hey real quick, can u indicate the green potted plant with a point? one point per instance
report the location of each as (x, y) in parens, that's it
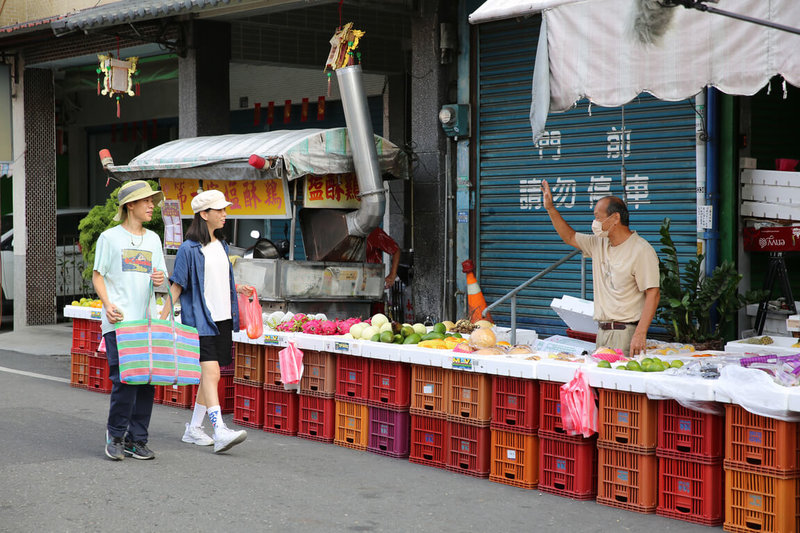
(688, 297)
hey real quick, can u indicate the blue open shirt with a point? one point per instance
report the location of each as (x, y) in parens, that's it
(189, 273)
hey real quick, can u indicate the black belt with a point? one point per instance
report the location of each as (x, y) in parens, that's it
(616, 325)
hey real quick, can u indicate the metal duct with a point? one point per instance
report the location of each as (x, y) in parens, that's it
(330, 235)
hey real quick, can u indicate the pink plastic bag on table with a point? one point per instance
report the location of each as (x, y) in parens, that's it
(290, 360)
(244, 302)
(578, 407)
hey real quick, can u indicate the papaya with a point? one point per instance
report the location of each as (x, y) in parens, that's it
(414, 338)
(433, 335)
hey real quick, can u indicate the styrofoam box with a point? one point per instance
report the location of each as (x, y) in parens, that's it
(793, 323)
(560, 343)
(576, 313)
(780, 346)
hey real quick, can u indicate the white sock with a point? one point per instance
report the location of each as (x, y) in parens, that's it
(215, 415)
(198, 415)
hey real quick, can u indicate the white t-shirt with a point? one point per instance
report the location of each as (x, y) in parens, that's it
(620, 275)
(217, 281)
(126, 261)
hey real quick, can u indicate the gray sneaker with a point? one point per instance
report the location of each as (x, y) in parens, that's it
(138, 450)
(114, 447)
(196, 435)
(225, 439)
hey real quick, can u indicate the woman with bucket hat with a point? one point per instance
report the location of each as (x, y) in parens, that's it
(128, 262)
(203, 280)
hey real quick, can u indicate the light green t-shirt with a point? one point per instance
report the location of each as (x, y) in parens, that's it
(126, 261)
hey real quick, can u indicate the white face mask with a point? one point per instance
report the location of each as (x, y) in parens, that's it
(597, 227)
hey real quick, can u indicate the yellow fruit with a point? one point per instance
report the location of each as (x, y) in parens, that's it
(449, 325)
(75, 302)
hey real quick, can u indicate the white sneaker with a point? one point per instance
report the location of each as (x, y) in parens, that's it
(225, 439)
(196, 435)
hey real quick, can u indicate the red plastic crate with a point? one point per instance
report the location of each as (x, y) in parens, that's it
(352, 425)
(231, 368)
(281, 412)
(759, 502)
(79, 370)
(352, 379)
(430, 387)
(582, 335)
(248, 406)
(627, 479)
(389, 432)
(515, 404)
(760, 444)
(514, 459)
(689, 435)
(272, 368)
(176, 396)
(158, 397)
(567, 468)
(550, 411)
(428, 441)
(225, 392)
(468, 449)
(690, 491)
(317, 418)
(249, 362)
(628, 421)
(470, 398)
(98, 374)
(319, 374)
(86, 335)
(390, 385)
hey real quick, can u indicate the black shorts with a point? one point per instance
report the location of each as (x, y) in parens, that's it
(218, 347)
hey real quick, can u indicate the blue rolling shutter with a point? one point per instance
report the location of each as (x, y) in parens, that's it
(580, 156)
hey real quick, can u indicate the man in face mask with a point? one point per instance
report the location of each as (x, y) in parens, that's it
(624, 270)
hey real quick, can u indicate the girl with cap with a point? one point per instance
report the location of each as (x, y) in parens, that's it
(203, 280)
(128, 263)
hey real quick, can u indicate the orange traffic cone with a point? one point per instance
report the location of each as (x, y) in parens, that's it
(476, 303)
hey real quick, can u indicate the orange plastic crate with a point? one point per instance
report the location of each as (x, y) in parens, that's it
(430, 387)
(514, 459)
(468, 448)
(470, 398)
(760, 444)
(319, 374)
(628, 421)
(689, 435)
(79, 370)
(272, 368)
(759, 502)
(249, 362)
(515, 404)
(690, 491)
(428, 441)
(627, 479)
(352, 425)
(176, 396)
(98, 373)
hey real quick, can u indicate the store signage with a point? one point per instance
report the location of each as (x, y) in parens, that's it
(181, 190)
(271, 340)
(462, 363)
(772, 239)
(338, 191)
(341, 346)
(267, 198)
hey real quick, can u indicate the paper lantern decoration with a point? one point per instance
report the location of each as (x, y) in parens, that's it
(118, 77)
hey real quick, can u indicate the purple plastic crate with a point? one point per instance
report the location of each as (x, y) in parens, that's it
(388, 432)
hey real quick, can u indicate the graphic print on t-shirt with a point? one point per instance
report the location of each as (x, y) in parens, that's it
(134, 260)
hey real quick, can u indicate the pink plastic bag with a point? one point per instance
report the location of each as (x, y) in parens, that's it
(290, 360)
(255, 326)
(578, 407)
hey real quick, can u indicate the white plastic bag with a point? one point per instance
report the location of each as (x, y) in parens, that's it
(756, 391)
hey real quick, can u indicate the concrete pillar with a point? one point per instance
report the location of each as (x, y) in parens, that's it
(204, 80)
(428, 90)
(35, 228)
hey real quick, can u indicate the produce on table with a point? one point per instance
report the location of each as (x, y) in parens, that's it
(484, 324)
(520, 349)
(463, 326)
(483, 338)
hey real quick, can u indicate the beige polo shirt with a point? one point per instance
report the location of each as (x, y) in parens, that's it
(620, 274)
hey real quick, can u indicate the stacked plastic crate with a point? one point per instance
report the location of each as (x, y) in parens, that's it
(627, 475)
(567, 463)
(469, 415)
(690, 448)
(317, 391)
(352, 397)
(430, 388)
(248, 385)
(281, 407)
(389, 399)
(88, 368)
(762, 472)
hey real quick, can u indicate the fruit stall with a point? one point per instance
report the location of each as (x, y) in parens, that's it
(672, 434)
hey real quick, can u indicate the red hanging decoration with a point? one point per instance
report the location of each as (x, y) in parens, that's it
(270, 113)
(304, 110)
(117, 106)
(154, 130)
(257, 114)
(138, 90)
(287, 111)
(321, 108)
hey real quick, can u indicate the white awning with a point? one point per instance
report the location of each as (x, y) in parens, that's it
(589, 49)
(506, 9)
(291, 154)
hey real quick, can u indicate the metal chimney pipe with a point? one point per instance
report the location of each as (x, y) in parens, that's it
(365, 158)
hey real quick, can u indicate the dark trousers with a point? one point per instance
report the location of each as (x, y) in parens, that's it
(131, 405)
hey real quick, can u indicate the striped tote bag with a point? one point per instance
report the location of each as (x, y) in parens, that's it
(158, 352)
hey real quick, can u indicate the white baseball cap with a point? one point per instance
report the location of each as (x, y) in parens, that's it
(213, 199)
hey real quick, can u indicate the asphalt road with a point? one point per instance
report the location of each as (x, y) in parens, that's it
(54, 477)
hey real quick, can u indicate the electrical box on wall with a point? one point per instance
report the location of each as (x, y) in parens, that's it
(455, 120)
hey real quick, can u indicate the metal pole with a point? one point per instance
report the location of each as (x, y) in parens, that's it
(514, 320)
(293, 224)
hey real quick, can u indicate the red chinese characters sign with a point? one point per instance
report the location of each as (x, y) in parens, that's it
(331, 191)
(248, 198)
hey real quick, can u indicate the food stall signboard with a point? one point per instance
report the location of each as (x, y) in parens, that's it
(173, 229)
(339, 191)
(267, 198)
